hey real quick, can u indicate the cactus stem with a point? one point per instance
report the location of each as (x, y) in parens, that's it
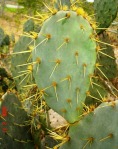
(109, 136)
(84, 65)
(88, 94)
(89, 141)
(76, 56)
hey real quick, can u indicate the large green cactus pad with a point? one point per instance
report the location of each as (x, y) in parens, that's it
(105, 12)
(67, 57)
(97, 130)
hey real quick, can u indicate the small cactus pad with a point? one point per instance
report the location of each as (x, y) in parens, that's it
(97, 130)
(14, 125)
(106, 58)
(66, 57)
(28, 26)
(106, 11)
(21, 59)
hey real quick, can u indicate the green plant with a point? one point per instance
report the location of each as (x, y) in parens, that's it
(96, 130)
(54, 74)
(106, 12)
(69, 68)
(14, 124)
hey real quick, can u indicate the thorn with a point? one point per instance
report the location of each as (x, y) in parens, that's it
(54, 84)
(23, 79)
(89, 141)
(89, 95)
(82, 27)
(22, 52)
(20, 75)
(48, 7)
(11, 114)
(66, 40)
(76, 56)
(48, 36)
(108, 137)
(84, 65)
(97, 66)
(91, 80)
(78, 91)
(66, 17)
(68, 78)
(69, 101)
(100, 51)
(57, 64)
(103, 42)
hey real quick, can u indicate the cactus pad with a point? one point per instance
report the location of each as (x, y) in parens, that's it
(66, 55)
(14, 126)
(97, 130)
(106, 11)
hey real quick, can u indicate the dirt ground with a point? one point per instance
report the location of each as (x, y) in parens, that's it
(12, 24)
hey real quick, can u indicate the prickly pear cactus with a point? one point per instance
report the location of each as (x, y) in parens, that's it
(14, 125)
(97, 130)
(105, 12)
(66, 56)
